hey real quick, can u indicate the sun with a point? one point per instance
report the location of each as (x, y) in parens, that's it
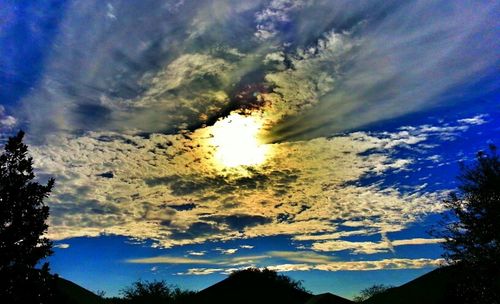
(236, 140)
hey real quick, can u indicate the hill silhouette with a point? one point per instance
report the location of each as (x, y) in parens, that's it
(68, 292)
(436, 287)
(254, 286)
(328, 298)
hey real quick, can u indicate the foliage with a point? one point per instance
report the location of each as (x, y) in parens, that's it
(22, 225)
(369, 292)
(267, 275)
(472, 231)
(151, 292)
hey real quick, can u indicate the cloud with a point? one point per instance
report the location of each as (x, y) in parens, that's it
(476, 120)
(124, 121)
(385, 264)
(296, 261)
(168, 260)
(231, 260)
(305, 189)
(196, 253)
(6, 121)
(390, 64)
(201, 271)
(275, 16)
(301, 256)
(62, 246)
(227, 251)
(370, 247)
(337, 65)
(247, 246)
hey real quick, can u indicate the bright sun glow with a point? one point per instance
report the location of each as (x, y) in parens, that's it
(236, 140)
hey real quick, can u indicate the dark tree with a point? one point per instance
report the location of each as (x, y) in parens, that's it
(369, 292)
(23, 216)
(472, 231)
(151, 292)
(279, 281)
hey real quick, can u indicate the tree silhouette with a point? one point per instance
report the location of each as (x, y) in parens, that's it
(371, 291)
(151, 292)
(472, 231)
(22, 225)
(279, 281)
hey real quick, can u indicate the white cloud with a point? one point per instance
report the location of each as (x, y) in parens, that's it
(385, 264)
(62, 246)
(6, 121)
(227, 251)
(197, 253)
(384, 245)
(201, 271)
(168, 260)
(275, 14)
(476, 120)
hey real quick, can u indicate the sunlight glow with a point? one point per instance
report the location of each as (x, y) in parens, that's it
(236, 140)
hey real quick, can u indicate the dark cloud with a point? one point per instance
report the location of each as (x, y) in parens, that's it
(239, 222)
(198, 229)
(183, 207)
(281, 181)
(72, 204)
(108, 174)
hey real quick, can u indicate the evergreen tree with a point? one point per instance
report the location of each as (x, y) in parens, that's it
(23, 216)
(473, 233)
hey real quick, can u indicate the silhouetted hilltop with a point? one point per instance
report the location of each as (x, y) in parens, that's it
(435, 287)
(328, 298)
(253, 286)
(68, 292)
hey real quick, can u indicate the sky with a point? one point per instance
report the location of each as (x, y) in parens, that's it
(189, 139)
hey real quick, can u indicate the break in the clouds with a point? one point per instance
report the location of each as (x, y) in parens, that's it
(134, 102)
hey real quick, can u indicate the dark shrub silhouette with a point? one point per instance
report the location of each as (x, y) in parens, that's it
(152, 292)
(370, 292)
(279, 280)
(22, 225)
(472, 231)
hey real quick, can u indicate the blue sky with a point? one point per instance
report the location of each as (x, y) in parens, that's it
(192, 138)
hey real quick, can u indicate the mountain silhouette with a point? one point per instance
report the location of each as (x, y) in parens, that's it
(253, 286)
(68, 292)
(436, 287)
(328, 298)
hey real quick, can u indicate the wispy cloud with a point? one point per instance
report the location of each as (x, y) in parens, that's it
(196, 253)
(169, 260)
(370, 247)
(6, 121)
(476, 120)
(385, 264)
(228, 251)
(62, 246)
